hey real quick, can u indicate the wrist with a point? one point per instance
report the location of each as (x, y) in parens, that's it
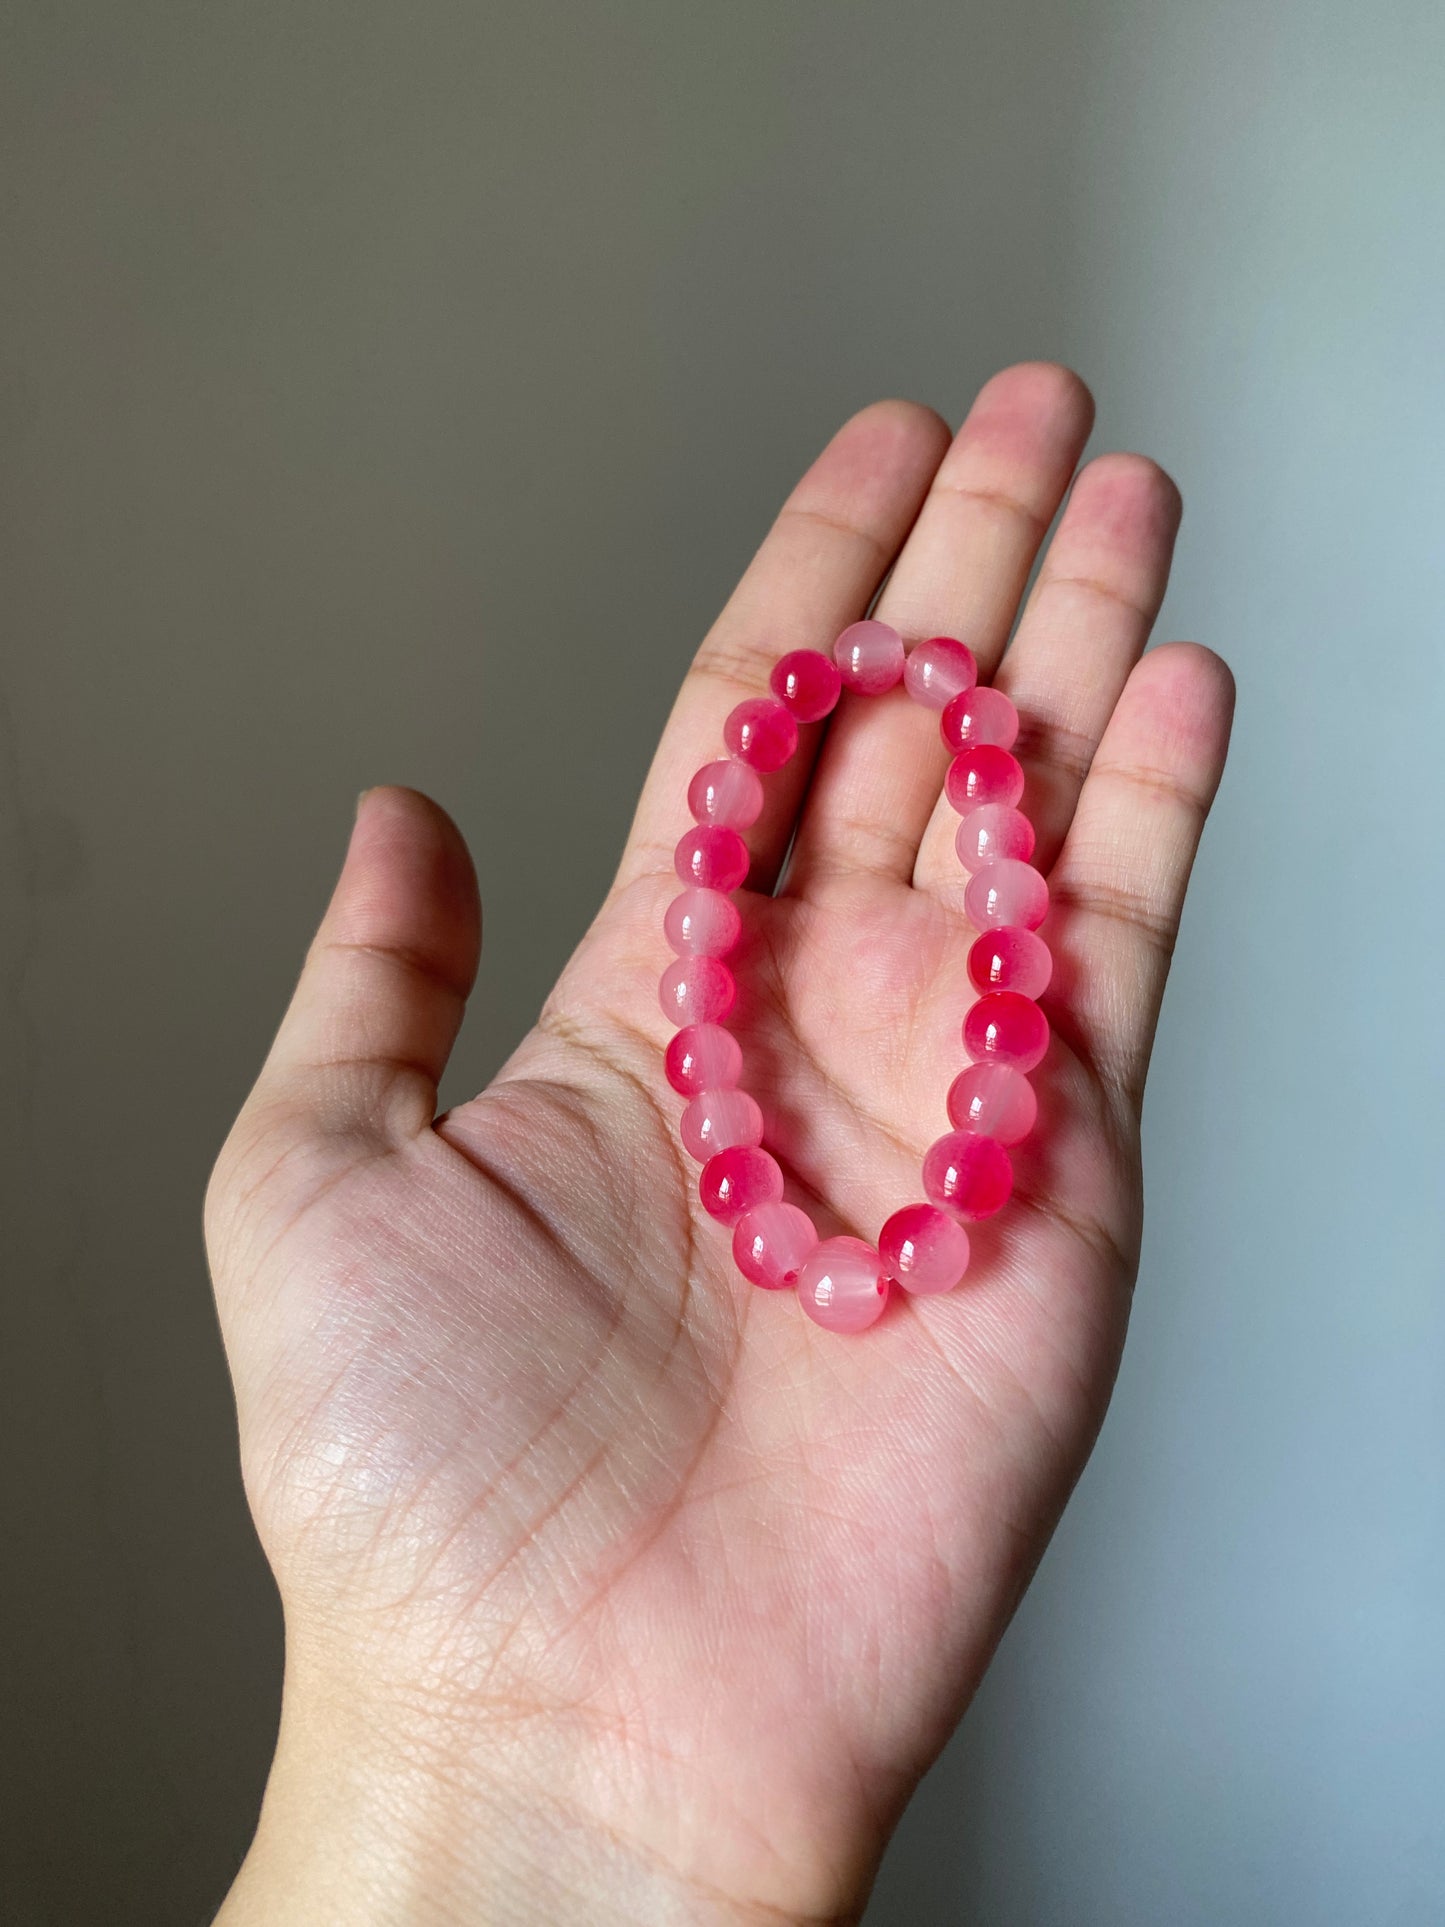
(369, 1818)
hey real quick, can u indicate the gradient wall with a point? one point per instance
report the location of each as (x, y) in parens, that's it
(391, 393)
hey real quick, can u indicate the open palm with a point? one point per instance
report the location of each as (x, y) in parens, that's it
(622, 1579)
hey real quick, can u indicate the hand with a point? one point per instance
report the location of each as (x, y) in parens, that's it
(614, 1587)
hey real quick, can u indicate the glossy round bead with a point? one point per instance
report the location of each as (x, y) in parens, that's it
(970, 1174)
(995, 829)
(771, 1242)
(1004, 1028)
(738, 1181)
(727, 794)
(841, 1285)
(807, 683)
(924, 1248)
(761, 733)
(711, 857)
(717, 1120)
(869, 656)
(697, 990)
(1010, 958)
(938, 671)
(1006, 891)
(703, 1057)
(702, 923)
(983, 774)
(982, 715)
(993, 1100)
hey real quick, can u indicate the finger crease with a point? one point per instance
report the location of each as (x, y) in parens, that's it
(1160, 783)
(839, 526)
(998, 499)
(1104, 591)
(881, 838)
(1106, 900)
(390, 1067)
(734, 668)
(412, 961)
(1067, 749)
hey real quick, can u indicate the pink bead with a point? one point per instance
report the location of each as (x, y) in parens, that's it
(771, 1242)
(702, 923)
(807, 682)
(703, 1057)
(983, 715)
(711, 857)
(924, 1248)
(1010, 959)
(761, 733)
(869, 656)
(717, 1120)
(994, 829)
(1004, 1028)
(696, 990)
(984, 774)
(841, 1285)
(728, 794)
(994, 1101)
(939, 670)
(971, 1175)
(738, 1181)
(1006, 891)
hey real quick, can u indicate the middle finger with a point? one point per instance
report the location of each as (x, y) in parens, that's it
(962, 572)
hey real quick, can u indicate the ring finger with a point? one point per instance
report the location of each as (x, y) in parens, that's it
(1084, 628)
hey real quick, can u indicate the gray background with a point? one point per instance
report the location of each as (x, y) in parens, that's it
(392, 393)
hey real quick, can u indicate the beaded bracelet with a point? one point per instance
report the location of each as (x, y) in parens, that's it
(843, 1282)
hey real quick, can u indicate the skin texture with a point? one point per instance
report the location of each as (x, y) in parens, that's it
(614, 1588)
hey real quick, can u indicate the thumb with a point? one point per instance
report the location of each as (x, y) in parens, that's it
(385, 983)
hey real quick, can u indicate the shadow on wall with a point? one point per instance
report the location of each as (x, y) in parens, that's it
(395, 399)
